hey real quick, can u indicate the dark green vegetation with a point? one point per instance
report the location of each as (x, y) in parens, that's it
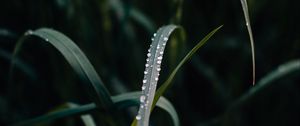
(213, 88)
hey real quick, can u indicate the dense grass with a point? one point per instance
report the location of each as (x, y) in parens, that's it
(51, 76)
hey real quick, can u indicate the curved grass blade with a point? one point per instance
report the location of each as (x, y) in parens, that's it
(153, 67)
(248, 24)
(59, 114)
(162, 103)
(87, 118)
(121, 101)
(167, 83)
(77, 60)
(27, 69)
(266, 81)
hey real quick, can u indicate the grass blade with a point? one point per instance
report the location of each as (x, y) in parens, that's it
(167, 83)
(77, 60)
(266, 81)
(162, 103)
(121, 101)
(248, 24)
(59, 114)
(153, 67)
(87, 118)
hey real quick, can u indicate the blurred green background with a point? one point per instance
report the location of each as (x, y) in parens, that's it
(115, 36)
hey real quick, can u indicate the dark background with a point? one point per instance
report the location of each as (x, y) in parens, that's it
(116, 42)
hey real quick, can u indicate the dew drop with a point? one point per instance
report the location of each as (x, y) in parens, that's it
(138, 117)
(147, 65)
(145, 72)
(158, 62)
(161, 52)
(144, 81)
(160, 57)
(158, 69)
(247, 24)
(46, 39)
(156, 78)
(149, 54)
(142, 98)
(165, 39)
(147, 59)
(154, 34)
(164, 44)
(143, 87)
(152, 39)
(29, 32)
(149, 50)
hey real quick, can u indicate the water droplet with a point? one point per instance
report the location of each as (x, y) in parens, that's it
(29, 32)
(46, 39)
(152, 39)
(142, 98)
(143, 87)
(160, 57)
(149, 54)
(165, 39)
(145, 72)
(157, 47)
(147, 59)
(161, 52)
(158, 69)
(142, 106)
(247, 23)
(144, 81)
(164, 44)
(154, 34)
(147, 65)
(156, 78)
(149, 50)
(138, 117)
(158, 62)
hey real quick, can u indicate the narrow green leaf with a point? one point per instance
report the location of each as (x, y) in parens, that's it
(153, 67)
(266, 81)
(59, 114)
(248, 24)
(77, 60)
(135, 96)
(121, 101)
(167, 83)
(87, 118)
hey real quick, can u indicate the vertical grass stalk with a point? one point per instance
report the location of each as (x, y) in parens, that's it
(248, 24)
(153, 67)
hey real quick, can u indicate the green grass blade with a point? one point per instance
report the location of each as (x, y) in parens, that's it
(163, 103)
(87, 118)
(121, 101)
(59, 114)
(266, 81)
(27, 69)
(77, 60)
(153, 67)
(168, 83)
(248, 24)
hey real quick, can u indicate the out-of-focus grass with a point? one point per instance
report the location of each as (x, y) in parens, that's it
(107, 40)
